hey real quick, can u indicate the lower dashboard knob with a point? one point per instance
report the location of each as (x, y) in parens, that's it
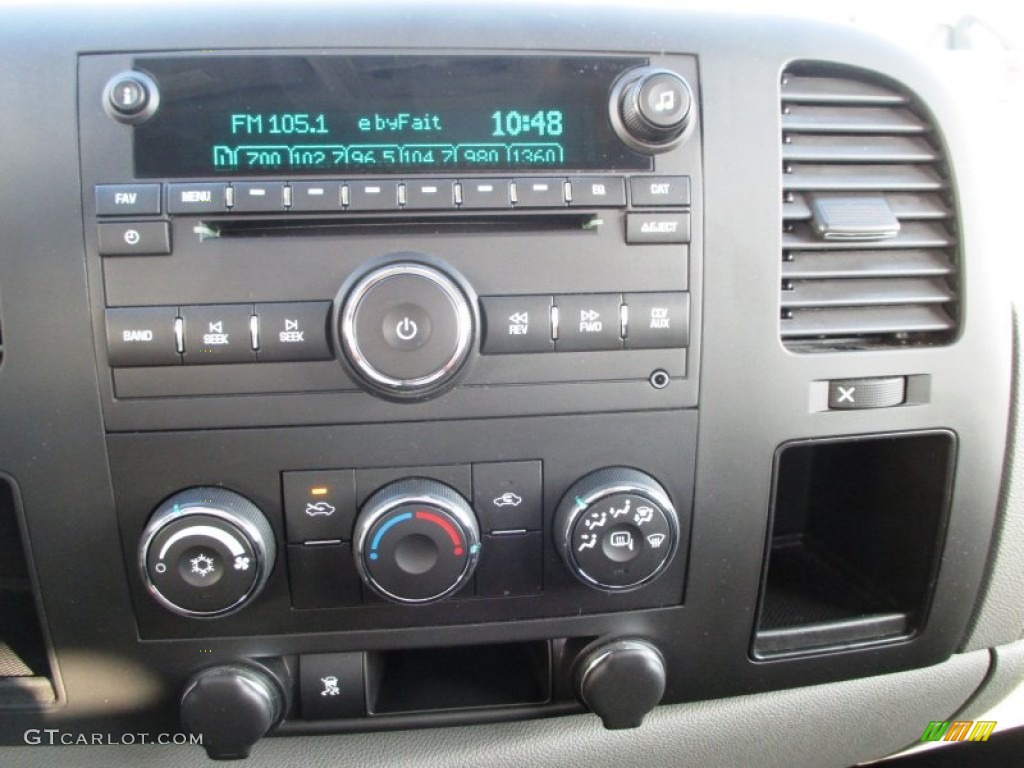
(206, 552)
(231, 707)
(616, 529)
(416, 541)
(620, 681)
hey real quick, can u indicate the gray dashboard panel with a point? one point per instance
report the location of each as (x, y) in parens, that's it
(820, 727)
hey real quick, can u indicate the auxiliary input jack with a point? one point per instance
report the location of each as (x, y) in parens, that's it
(660, 379)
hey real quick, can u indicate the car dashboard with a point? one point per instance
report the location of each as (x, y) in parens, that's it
(432, 384)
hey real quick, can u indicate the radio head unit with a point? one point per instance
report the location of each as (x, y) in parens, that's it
(280, 115)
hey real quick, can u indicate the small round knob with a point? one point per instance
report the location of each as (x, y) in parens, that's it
(620, 681)
(206, 552)
(616, 529)
(406, 329)
(131, 97)
(651, 109)
(231, 707)
(416, 541)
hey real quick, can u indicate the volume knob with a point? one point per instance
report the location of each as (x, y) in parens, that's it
(652, 109)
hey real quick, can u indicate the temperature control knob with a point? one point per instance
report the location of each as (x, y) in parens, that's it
(206, 552)
(616, 529)
(416, 541)
(652, 109)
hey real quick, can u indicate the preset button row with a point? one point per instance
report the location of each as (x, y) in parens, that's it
(585, 322)
(221, 333)
(329, 195)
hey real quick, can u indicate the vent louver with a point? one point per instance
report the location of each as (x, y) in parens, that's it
(869, 251)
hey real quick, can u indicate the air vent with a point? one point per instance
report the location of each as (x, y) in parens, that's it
(869, 250)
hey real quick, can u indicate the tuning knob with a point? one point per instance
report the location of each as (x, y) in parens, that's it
(416, 541)
(231, 707)
(620, 681)
(616, 529)
(652, 109)
(206, 552)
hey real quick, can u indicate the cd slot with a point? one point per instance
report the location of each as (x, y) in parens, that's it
(403, 224)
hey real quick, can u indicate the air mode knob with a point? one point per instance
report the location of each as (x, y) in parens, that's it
(616, 529)
(652, 109)
(416, 541)
(206, 552)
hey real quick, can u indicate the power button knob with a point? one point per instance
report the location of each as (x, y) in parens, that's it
(406, 329)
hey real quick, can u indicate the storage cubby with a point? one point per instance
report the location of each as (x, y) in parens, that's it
(24, 662)
(467, 677)
(856, 532)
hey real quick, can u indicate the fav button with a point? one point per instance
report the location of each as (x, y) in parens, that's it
(127, 199)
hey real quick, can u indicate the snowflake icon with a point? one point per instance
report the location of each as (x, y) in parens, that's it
(202, 565)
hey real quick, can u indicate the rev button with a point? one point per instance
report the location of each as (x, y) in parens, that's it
(514, 324)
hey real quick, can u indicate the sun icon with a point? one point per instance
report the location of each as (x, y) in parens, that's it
(202, 565)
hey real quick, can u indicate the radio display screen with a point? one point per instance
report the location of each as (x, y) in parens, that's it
(329, 114)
